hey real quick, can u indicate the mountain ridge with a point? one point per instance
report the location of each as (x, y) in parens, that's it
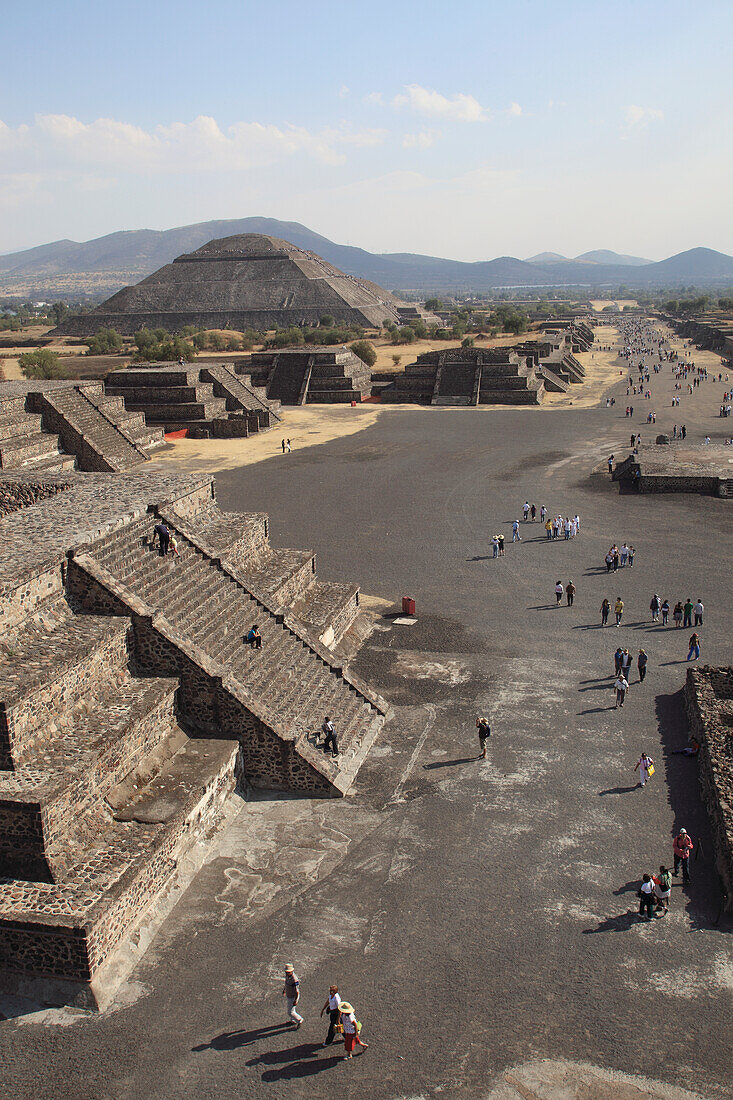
(126, 256)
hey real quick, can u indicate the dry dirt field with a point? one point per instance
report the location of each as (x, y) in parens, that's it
(599, 303)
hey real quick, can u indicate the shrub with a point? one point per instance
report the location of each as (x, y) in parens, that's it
(365, 350)
(41, 364)
(396, 360)
(105, 342)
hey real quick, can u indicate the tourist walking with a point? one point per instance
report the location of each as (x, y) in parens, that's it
(677, 614)
(289, 445)
(631, 557)
(533, 512)
(332, 1006)
(605, 612)
(330, 741)
(641, 663)
(501, 545)
(621, 686)
(570, 593)
(617, 660)
(699, 610)
(665, 612)
(558, 593)
(681, 848)
(655, 607)
(525, 509)
(484, 733)
(626, 664)
(495, 546)
(548, 528)
(688, 609)
(291, 993)
(282, 444)
(516, 537)
(645, 766)
(618, 610)
(694, 647)
(351, 1030)
(646, 898)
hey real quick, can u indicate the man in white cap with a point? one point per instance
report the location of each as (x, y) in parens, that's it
(681, 848)
(291, 993)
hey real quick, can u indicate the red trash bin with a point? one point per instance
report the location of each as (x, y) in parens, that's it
(408, 605)
(353, 404)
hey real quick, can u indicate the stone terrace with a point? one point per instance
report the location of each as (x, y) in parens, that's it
(129, 707)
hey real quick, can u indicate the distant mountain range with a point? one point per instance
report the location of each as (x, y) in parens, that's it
(99, 267)
(599, 256)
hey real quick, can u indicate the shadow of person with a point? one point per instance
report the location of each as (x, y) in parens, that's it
(232, 1040)
(450, 763)
(619, 790)
(628, 888)
(301, 1062)
(622, 923)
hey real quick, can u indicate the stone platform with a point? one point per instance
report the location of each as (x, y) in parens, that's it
(130, 706)
(678, 467)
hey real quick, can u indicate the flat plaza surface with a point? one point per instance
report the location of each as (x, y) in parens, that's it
(480, 915)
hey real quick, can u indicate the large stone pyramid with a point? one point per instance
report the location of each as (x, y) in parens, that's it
(247, 281)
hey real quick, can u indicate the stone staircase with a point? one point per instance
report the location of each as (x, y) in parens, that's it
(455, 383)
(23, 443)
(101, 792)
(241, 395)
(289, 378)
(291, 683)
(87, 430)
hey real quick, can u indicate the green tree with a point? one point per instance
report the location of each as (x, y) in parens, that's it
(365, 350)
(433, 304)
(467, 342)
(396, 360)
(327, 321)
(58, 311)
(105, 342)
(41, 364)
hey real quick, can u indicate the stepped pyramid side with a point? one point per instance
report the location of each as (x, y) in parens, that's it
(246, 281)
(131, 707)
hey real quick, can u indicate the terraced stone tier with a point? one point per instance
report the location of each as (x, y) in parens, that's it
(68, 930)
(291, 679)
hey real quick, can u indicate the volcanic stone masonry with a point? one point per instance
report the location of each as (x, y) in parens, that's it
(709, 704)
(49, 427)
(131, 705)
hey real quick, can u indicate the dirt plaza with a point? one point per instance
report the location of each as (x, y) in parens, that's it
(480, 915)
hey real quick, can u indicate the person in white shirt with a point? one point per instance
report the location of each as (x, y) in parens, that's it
(351, 1031)
(332, 1006)
(699, 608)
(646, 898)
(558, 592)
(621, 684)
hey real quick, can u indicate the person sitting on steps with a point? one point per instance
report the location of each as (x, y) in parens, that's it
(254, 638)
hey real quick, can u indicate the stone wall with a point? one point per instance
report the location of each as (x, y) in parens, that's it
(709, 705)
(15, 494)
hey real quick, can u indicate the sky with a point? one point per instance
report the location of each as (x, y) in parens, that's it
(467, 131)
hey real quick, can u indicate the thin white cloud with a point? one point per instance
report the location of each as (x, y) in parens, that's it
(514, 109)
(423, 140)
(62, 143)
(374, 99)
(459, 107)
(635, 116)
(344, 91)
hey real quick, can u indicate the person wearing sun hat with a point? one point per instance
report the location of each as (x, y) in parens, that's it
(351, 1030)
(291, 993)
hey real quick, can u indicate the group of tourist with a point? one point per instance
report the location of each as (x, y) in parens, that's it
(341, 1015)
(617, 558)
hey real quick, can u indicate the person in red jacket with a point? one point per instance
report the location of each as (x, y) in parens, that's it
(681, 847)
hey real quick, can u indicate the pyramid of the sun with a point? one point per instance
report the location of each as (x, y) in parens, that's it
(246, 281)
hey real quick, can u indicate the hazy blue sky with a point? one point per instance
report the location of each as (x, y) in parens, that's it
(469, 130)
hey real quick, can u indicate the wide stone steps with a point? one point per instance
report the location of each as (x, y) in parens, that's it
(104, 438)
(204, 603)
(244, 396)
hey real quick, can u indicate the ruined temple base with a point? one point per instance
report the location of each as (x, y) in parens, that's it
(678, 467)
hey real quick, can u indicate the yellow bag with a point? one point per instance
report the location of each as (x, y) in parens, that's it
(650, 771)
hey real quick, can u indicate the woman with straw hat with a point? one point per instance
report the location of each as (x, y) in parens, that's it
(351, 1029)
